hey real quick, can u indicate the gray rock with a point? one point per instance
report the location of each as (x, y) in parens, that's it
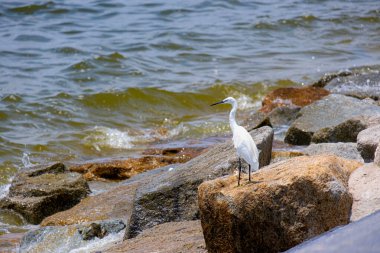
(100, 229)
(357, 85)
(346, 150)
(49, 239)
(335, 118)
(368, 140)
(361, 236)
(283, 115)
(172, 196)
(44, 190)
(365, 190)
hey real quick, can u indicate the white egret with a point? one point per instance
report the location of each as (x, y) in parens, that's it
(243, 142)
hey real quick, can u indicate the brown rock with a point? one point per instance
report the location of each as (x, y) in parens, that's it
(114, 204)
(365, 189)
(172, 237)
(287, 203)
(124, 169)
(280, 155)
(292, 97)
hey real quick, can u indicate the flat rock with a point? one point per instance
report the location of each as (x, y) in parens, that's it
(361, 236)
(41, 191)
(335, 118)
(116, 203)
(172, 237)
(124, 169)
(292, 97)
(172, 196)
(66, 238)
(346, 150)
(368, 141)
(365, 189)
(287, 203)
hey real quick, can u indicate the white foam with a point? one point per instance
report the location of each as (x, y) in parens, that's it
(246, 102)
(25, 160)
(97, 244)
(4, 190)
(104, 137)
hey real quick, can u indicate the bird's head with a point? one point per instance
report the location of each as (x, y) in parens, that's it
(229, 100)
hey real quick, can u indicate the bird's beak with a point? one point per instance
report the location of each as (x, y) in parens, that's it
(221, 102)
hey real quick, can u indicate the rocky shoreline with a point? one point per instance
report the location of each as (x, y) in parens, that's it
(325, 174)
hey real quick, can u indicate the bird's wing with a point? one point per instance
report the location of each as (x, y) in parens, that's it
(245, 146)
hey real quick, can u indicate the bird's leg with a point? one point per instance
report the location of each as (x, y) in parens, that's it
(239, 171)
(249, 173)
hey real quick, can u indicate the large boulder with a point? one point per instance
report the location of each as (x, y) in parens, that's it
(368, 140)
(66, 238)
(365, 189)
(44, 190)
(172, 196)
(335, 118)
(361, 236)
(287, 203)
(172, 237)
(346, 150)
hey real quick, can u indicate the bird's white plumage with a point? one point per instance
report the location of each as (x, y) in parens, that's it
(245, 146)
(243, 142)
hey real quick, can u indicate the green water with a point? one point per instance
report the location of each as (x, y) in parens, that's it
(91, 79)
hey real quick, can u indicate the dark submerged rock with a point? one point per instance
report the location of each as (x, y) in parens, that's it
(44, 190)
(172, 196)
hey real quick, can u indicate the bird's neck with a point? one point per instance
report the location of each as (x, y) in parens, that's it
(233, 123)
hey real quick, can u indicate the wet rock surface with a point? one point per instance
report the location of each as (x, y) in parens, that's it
(346, 150)
(292, 97)
(44, 190)
(172, 196)
(287, 203)
(116, 203)
(10, 242)
(360, 236)
(124, 169)
(172, 237)
(368, 141)
(364, 186)
(335, 118)
(360, 86)
(49, 239)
